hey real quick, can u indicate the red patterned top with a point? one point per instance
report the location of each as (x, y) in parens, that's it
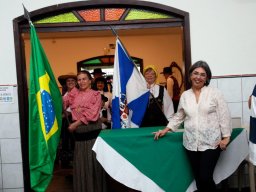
(85, 105)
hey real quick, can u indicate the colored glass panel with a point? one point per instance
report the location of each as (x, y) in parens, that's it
(136, 14)
(113, 14)
(90, 15)
(93, 61)
(62, 18)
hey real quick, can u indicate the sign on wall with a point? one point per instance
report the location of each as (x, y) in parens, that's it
(6, 94)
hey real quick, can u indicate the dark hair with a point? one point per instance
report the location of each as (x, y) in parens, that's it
(100, 79)
(86, 73)
(205, 66)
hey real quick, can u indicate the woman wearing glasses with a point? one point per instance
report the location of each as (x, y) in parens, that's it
(207, 125)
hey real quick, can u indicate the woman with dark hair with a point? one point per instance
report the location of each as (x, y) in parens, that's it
(85, 105)
(100, 84)
(68, 82)
(207, 125)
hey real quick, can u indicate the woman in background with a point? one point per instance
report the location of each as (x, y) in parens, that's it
(68, 82)
(160, 106)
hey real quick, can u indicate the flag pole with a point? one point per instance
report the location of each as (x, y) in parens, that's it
(115, 33)
(27, 15)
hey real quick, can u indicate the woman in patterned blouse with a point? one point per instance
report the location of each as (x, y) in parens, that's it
(85, 105)
(207, 125)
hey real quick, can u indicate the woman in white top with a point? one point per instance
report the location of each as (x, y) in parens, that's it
(207, 125)
(160, 106)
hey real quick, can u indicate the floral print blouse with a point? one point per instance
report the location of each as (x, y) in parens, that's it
(206, 122)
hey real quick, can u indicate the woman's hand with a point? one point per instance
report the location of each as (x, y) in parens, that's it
(161, 133)
(224, 142)
(73, 126)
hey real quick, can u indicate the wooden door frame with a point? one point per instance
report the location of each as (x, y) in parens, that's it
(20, 25)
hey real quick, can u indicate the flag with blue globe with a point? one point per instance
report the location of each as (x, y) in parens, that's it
(45, 116)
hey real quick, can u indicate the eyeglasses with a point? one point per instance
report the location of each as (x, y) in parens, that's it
(201, 75)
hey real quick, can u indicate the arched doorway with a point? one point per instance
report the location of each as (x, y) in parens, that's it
(87, 18)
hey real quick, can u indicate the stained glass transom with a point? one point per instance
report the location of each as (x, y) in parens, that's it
(90, 15)
(62, 18)
(135, 14)
(109, 14)
(93, 61)
(113, 14)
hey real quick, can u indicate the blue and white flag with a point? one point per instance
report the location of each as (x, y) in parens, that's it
(252, 138)
(130, 93)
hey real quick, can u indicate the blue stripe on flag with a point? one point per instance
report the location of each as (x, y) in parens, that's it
(138, 112)
(253, 130)
(254, 91)
(129, 88)
(126, 67)
(253, 117)
(115, 113)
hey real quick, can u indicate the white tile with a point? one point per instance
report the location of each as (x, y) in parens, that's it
(248, 84)
(236, 122)
(9, 126)
(10, 107)
(235, 109)
(14, 190)
(231, 89)
(214, 83)
(11, 150)
(246, 115)
(1, 178)
(12, 175)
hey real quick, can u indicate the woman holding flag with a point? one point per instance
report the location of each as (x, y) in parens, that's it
(85, 105)
(207, 125)
(160, 107)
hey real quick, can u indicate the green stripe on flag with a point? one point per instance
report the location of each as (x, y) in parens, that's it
(157, 160)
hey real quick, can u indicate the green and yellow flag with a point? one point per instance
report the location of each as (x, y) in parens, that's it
(45, 108)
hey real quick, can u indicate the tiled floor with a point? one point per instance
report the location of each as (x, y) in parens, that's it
(62, 182)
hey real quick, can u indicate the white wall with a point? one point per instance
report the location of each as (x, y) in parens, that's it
(222, 33)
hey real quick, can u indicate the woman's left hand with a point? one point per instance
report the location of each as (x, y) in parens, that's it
(72, 127)
(224, 142)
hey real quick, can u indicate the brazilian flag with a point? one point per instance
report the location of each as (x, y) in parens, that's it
(45, 109)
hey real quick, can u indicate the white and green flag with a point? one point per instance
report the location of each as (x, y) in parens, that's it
(135, 159)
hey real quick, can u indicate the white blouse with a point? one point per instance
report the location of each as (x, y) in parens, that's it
(167, 101)
(205, 122)
(108, 104)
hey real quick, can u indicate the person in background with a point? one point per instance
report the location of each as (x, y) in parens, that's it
(109, 83)
(250, 99)
(97, 72)
(68, 82)
(207, 125)
(172, 86)
(85, 105)
(105, 116)
(100, 84)
(160, 106)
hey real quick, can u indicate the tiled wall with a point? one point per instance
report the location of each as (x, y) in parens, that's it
(235, 90)
(11, 174)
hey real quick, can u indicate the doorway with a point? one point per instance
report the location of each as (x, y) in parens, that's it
(156, 26)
